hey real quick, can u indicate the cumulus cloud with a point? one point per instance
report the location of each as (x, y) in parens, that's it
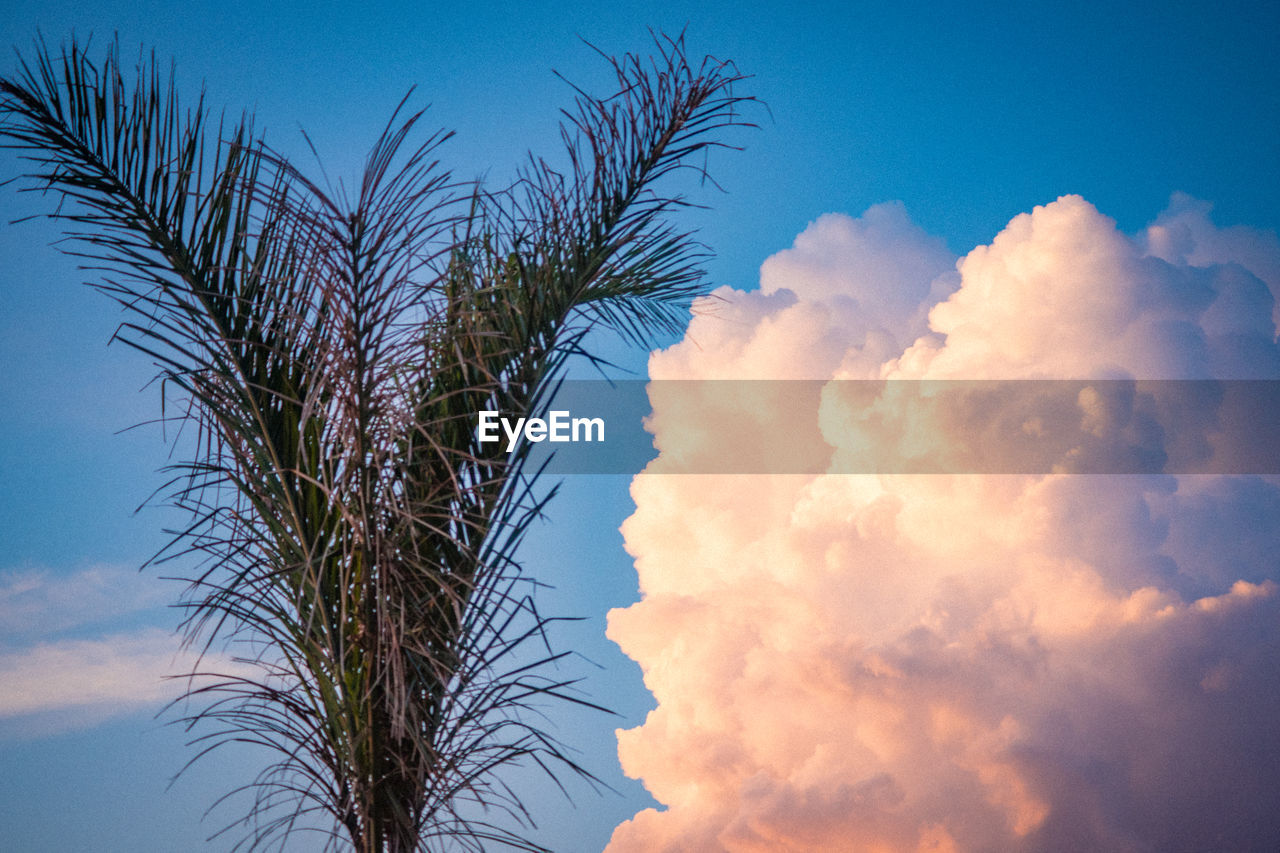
(1033, 662)
(1060, 293)
(853, 290)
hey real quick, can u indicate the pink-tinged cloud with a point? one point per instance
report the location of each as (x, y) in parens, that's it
(39, 602)
(963, 662)
(112, 674)
(62, 667)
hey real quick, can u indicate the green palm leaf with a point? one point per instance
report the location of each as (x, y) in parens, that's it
(355, 542)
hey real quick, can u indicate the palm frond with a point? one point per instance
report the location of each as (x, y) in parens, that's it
(350, 538)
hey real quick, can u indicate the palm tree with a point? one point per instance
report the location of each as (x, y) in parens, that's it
(354, 544)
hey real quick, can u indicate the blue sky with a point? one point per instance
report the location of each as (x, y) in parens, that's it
(967, 113)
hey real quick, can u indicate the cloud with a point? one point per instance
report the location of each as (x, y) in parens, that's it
(1026, 662)
(1184, 234)
(84, 647)
(1060, 293)
(40, 602)
(123, 672)
(855, 290)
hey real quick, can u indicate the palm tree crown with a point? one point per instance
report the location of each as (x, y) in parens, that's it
(356, 544)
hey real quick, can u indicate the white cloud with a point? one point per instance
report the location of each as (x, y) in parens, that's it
(903, 663)
(110, 674)
(43, 602)
(1060, 293)
(854, 290)
(67, 660)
